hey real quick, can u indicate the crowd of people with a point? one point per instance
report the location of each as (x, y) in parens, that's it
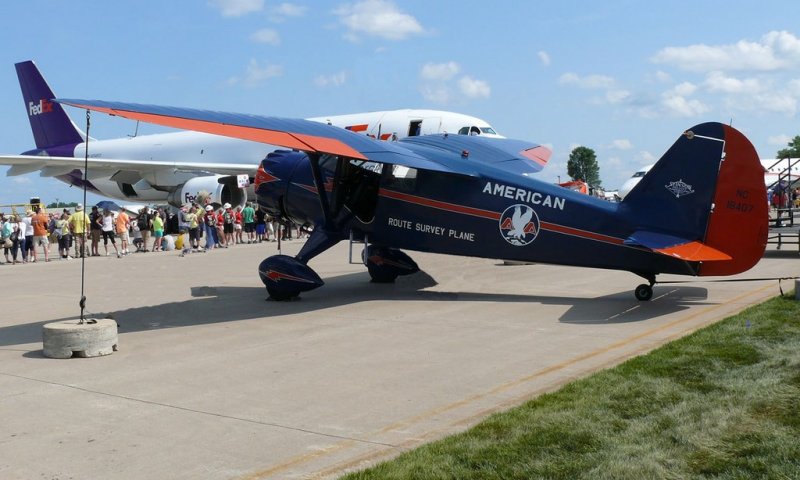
(193, 228)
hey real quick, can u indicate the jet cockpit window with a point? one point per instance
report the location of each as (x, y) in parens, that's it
(488, 130)
(473, 130)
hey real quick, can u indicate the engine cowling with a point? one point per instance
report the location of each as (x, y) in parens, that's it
(221, 189)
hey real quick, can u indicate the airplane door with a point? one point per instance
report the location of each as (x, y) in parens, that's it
(414, 128)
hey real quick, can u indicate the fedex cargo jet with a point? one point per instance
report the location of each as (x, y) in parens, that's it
(176, 167)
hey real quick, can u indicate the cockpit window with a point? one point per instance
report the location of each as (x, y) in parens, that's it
(639, 174)
(474, 130)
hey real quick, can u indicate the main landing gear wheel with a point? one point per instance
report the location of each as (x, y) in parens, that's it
(280, 296)
(381, 276)
(643, 292)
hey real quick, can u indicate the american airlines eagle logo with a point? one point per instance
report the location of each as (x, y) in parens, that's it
(519, 225)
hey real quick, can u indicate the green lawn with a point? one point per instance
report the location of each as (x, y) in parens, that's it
(723, 402)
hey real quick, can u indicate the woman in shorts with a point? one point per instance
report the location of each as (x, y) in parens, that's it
(107, 230)
(158, 232)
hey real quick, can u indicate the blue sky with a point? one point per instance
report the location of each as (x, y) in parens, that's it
(624, 78)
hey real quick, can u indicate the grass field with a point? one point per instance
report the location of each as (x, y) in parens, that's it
(722, 403)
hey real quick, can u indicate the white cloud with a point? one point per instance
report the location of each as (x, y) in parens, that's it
(439, 84)
(622, 144)
(440, 94)
(779, 140)
(334, 80)
(289, 10)
(379, 18)
(775, 51)
(543, 57)
(266, 35)
(684, 89)
(22, 180)
(646, 158)
(237, 8)
(612, 93)
(474, 88)
(662, 77)
(588, 82)
(256, 74)
(719, 82)
(617, 95)
(679, 105)
(439, 71)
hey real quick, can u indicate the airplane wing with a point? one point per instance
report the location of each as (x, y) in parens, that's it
(303, 135)
(515, 156)
(53, 166)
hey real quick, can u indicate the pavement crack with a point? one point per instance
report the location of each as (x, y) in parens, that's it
(201, 412)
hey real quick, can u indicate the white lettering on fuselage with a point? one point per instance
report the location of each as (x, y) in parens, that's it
(523, 195)
(431, 229)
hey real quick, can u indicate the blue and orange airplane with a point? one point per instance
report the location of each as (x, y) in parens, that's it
(700, 210)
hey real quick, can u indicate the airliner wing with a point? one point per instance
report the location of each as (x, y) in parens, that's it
(303, 135)
(53, 166)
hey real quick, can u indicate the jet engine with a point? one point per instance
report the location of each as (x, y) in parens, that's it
(222, 189)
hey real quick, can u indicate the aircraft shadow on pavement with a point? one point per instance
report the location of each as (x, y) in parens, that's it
(212, 304)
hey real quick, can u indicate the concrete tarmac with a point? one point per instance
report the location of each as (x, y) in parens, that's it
(213, 382)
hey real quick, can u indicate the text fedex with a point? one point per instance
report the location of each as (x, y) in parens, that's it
(44, 106)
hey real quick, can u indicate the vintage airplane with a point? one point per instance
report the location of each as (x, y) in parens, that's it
(174, 167)
(699, 211)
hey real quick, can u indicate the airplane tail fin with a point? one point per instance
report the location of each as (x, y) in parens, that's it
(707, 195)
(49, 122)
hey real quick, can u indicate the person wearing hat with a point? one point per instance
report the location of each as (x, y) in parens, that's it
(228, 218)
(210, 223)
(78, 222)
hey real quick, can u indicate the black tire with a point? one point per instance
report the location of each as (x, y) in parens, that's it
(381, 277)
(282, 296)
(643, 292)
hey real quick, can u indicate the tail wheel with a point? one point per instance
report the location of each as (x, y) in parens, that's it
(643, 292)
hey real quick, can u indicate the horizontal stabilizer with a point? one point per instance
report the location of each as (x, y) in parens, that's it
(689, 250)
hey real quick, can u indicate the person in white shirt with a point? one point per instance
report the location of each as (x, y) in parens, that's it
(107, 230)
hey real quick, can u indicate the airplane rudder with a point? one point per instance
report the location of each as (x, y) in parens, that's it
(739, 223)
(50, 124)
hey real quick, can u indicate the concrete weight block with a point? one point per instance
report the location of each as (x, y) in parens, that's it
(70, 338)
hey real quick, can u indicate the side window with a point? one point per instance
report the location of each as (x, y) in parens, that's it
(402, 179)
(463, 131)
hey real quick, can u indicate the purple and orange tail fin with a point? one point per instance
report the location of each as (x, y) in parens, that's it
(704, 201)
(49, 122)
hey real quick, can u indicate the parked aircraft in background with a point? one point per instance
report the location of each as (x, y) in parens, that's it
(774, 170)
(175, 167)
(699, 211)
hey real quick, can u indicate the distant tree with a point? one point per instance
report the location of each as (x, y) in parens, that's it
(582, 165)
(793, 151)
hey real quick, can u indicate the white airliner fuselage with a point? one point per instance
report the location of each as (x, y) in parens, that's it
(176, 167)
